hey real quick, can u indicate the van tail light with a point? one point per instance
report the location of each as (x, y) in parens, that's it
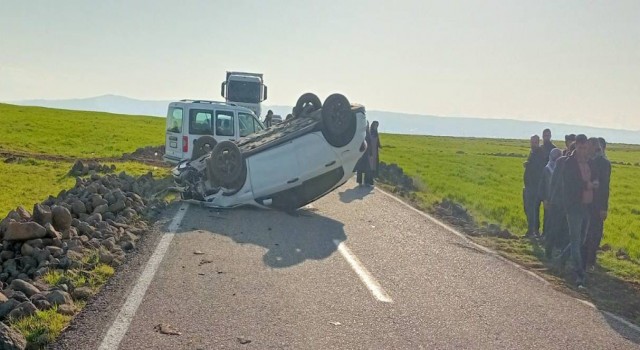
(363, 146)
(185, 143)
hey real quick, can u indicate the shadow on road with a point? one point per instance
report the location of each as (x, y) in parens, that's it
(289, 239)
(356, 193)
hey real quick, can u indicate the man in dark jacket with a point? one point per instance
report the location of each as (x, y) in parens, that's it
(600, 207)
(533, 171)
(578, 189)
(568, 141)
(547, 145)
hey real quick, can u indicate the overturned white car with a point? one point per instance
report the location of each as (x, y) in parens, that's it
(286, 166)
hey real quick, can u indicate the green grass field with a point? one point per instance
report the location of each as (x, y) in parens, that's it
(76, 133)
(44, 131)
(485, 176)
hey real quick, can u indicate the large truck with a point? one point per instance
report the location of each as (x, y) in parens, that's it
(245, 90)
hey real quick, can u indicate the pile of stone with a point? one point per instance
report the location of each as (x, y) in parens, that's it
(100, 215)
(81, 168)
(146, 153)
(394, 175)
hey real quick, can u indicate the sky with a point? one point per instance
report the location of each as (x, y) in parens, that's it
(566, 61)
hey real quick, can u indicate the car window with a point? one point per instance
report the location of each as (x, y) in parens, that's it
(200, 122)
(245, 122)
(224, 123)
(174, 119)
(257, 125)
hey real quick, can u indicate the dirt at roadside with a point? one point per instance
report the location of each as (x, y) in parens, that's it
(151, 155)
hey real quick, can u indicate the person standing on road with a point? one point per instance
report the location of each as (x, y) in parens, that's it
(544, 192)
(363, 166)
(532, 175)
(547, 145)
(600, 207)
(374, 155)
(556, 236)
(578, 194)
(268, 119)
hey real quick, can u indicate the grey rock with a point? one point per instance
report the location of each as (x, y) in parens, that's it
(127, 246)
(118, 206)
(23, 310)
(67, 310)
(94, 218)
(77, 207)
(105, 257)
(42, 214)
(52, 232)
(6, 255)
(17, 296)
(26, 250)
(56, 252)
(23, 286)
(58, 297)
(22, 231)
(101, 209)
(24, 214)
(7, 307)
(11, 339)
(61, 217)
(82, 293)
(42, 304)
(36, 243)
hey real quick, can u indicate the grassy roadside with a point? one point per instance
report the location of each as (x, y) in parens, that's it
(485, 177)
(38, 148)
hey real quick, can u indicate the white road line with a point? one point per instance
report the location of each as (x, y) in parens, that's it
(121, 324)
(366, 278)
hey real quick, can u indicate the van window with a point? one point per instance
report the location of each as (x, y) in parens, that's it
(245, 122)
(224, 123)
(200, 122)
(258, 125)
(174, 120)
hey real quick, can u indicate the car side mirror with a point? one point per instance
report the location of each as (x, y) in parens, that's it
(224, 84)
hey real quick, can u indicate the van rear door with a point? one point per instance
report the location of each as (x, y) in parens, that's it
(174, 141)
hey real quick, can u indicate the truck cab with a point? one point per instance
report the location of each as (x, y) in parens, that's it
(188, 120)
(245, 89)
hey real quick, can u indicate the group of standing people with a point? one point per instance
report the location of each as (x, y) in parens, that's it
(367, 166)
(573, 186)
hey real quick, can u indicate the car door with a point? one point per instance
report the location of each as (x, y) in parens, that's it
(246, 126)
(174, 140)
(274, 170)
(315, 156)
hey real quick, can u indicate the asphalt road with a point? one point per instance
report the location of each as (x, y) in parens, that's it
(356, 270)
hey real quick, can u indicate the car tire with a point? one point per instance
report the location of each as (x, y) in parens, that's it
(339, 122)
(228, 165)
(201, 144)
(307, 103)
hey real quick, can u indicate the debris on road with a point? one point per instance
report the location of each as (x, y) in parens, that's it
(167, 329)
(205, 261)
(197, 252)
(243, 341)
(335, 323)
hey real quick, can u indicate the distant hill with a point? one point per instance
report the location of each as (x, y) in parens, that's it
(390, 122)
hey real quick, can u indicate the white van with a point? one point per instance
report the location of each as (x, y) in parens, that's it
(210, 121)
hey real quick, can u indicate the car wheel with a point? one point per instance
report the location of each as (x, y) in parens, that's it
(306, 104)
(228, 164)
(202, 146)
(339, 122)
